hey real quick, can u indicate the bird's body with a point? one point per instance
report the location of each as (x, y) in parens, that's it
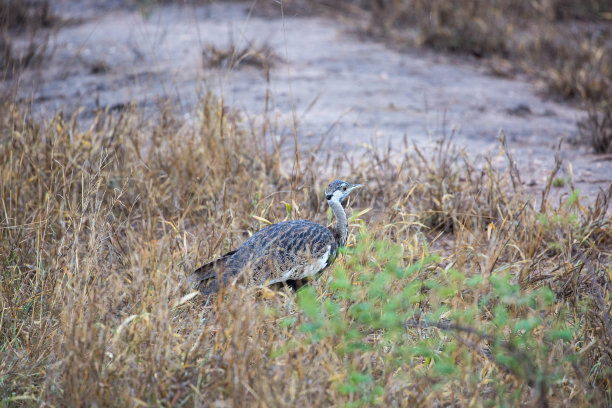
(289, 250)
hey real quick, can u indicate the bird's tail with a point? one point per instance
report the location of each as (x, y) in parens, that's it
(205, 278)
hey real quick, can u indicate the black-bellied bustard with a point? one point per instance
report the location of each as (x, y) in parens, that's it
(289, 250)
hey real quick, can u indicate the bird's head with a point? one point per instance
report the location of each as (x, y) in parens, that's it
(338, 190)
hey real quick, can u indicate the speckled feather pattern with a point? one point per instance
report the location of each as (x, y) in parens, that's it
(289, 250)
(279, 252)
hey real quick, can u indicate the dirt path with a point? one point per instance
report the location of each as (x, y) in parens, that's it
(352, 91)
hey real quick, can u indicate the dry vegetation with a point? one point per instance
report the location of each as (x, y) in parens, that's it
(29, 19)
(233, 57)
(456, 292)
(457, 288)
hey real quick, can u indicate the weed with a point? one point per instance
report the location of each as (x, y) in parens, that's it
(425, 323)
(559, 182)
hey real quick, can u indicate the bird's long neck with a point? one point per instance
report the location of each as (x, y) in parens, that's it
(341, 227)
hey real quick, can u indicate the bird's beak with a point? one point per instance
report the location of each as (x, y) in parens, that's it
(351, 188)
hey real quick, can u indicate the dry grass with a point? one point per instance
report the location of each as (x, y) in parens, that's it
(100, 225)
(233, 57)
(457, 288)
(597, 127)
(30, 20)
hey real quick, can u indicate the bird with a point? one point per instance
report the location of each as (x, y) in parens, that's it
(286, 251)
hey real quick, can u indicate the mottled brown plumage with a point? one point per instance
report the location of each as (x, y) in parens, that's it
(289, 250)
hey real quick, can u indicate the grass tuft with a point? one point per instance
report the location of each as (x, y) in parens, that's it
(596, 128)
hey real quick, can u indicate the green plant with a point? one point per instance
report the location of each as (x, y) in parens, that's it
(426, 322)
(559, 182)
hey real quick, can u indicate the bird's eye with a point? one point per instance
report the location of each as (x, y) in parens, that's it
(343, 188)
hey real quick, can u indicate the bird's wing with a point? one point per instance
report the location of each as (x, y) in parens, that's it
(209, 270)
(286, 251)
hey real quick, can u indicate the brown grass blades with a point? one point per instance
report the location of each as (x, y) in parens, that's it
(32, 19)
(94, 232)
(596, 128)
(101, 222)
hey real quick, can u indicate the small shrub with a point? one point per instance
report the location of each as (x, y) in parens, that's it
(559, 182)
(425, 323)
(596, 128)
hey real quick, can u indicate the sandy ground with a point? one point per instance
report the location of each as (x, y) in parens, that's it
(333, 84)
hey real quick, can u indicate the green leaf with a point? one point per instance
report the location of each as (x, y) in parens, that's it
(307, 301)
(421, 350)
(455, 275)
(501, 315)
(347, 389)
(359, 378)
(445, 292)
(357, 345)
(389, 320)
(527, 324)
(309, 327)
(564, 334)
(547, 295)
(332, 308)
(362, 312)
(378, 287)
(341, 281)
(444, 368)
(288, 322)
(573, 198)
(474, 281)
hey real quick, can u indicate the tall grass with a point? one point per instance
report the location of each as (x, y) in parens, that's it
(475, 294)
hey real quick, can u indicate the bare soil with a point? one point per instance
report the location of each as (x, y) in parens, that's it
(329, 84)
